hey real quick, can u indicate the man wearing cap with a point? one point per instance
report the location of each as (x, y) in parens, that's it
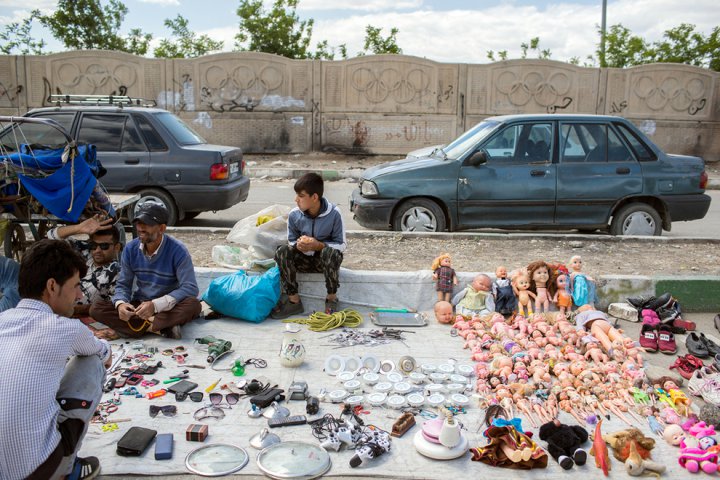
(160, 266)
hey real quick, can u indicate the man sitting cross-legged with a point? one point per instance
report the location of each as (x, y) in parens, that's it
(160, 267)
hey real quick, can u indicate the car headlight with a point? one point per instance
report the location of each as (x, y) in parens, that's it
(368, 188)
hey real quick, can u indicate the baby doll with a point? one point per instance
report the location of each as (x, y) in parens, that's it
(521, 286)
(502, 290)
(592, 351)
(562, 299)
(444, 276)
(476, 298)
(596, 323)
(443, 312)
(542, 284)
(581, 285)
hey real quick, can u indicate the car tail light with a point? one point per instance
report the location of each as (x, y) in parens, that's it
(219, 171)
(703, 179)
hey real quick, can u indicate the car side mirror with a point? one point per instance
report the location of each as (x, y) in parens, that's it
(478, 158)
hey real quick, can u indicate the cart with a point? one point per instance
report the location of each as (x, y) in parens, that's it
(46, 185)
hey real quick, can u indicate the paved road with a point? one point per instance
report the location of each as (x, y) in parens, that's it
(264, 193)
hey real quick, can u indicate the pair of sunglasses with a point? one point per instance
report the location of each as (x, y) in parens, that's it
(103, 245)
(194, 396)
(167, 410)
(217, 398)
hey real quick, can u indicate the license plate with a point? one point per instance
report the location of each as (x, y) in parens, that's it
(234, 167)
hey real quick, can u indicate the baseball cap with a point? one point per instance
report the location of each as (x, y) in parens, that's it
(151, 213)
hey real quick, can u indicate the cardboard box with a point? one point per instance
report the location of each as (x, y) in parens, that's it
(196, 432)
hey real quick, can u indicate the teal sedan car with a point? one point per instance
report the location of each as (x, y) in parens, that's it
(584, 172)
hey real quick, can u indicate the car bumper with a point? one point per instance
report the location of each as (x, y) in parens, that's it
(687, 207)
(372, 213)
(204, 198)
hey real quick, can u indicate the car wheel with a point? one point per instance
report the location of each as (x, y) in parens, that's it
(636, 219)
(419, 215)
(159, 196)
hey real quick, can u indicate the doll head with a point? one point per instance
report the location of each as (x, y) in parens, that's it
(501, 272)
(669, 385)
(481, 282)
(561, 282)
(522, 282)
(443, 312)
(576, 263)
(443, 260)
(673, 434)
(541, 276)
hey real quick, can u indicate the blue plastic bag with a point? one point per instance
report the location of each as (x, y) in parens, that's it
(243, 296)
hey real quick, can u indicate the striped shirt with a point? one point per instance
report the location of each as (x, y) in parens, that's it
(35, 345)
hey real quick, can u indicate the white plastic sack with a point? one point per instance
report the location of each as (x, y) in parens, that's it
(262, 240)
(240, 258)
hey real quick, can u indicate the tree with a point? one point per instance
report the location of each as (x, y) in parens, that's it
(622, 48)
(186, 43)
(17, 37)
(279, 31)
(87, 24)
(375, 43)
(533, 44)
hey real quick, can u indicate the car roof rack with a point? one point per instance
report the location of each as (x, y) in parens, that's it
(101, 100)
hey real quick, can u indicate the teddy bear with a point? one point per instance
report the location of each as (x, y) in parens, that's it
(633, 448)
(564, 443)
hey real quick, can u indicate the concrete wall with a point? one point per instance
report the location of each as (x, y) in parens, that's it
(378, 104)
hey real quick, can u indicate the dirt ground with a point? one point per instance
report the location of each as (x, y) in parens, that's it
(395, 253)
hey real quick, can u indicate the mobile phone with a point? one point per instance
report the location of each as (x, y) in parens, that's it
(120, 382)
(134, 379)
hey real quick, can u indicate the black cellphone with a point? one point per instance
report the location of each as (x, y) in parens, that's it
(134, 379)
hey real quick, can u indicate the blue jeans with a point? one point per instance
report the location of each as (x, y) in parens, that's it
(9, 296)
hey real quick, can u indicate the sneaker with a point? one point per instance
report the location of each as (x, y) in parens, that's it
(650, 318)
(712, 347)
(687, 325)
(666, 340)
(667, 314)
(174, 332)
(85, 468)
(331, 306)
(663, 300)
(649, 338)
(640, 302)
(686, 365)
(696, 346)
(287, 309)
(699, 379)
(711, 392)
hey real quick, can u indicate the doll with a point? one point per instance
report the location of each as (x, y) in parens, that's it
(562, 299)
(521, 286)
(542, 284)
(505, 301)
(444, 313)
(582, 286)
(596, 323)
(476, 298)
(444, 276)
(592, 351)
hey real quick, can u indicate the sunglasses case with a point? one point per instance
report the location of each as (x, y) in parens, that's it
(135, 441)
(183, 386)
(164, 446)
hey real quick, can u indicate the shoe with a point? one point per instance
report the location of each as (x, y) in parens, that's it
(640, 302)
(712, 347)
(580, 457)
(666, 340)
(711, 392)
(716, 363)
(686, 365)
(687, 325)
(649, 338)
(699, 379)
(717, 322)
(85, 469)
(174, 332)
(650, 317)
(331, 306)
(658, 302)
(667, 314)
(287, 309)
(696, 346)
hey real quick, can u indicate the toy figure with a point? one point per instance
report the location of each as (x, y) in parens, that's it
(505, 301)
(592, 350)
(521, 286)
(633, 448)
(694, 457)
(582, 286)
(562, 299)
(564, 443)
(476, 298)
(674, 435)
(443, 312)
(596, 322)
(444, 276)
(542, 284)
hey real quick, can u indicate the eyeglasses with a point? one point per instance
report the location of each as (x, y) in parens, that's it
(103, 245)
(217, 398)
(194, 396)
(208, 412)
(167, 410)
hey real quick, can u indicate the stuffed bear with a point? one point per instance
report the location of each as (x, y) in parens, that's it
(564, 443)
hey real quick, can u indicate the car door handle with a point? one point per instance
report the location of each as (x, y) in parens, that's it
(132, 161)
(538, 173)
(622, 170)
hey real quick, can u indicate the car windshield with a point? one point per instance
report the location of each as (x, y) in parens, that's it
(180, 131)
(470, 139)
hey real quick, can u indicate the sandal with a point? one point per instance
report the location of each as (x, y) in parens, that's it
(85, 468)
(684, 367)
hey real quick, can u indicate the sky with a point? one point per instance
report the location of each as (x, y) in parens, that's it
(441, 30)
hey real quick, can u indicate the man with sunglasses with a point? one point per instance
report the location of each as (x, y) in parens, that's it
(53, 370)
(156, 291)
(100, 252)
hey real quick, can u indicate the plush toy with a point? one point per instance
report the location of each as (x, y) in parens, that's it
(633, 448)
(564, 443)
(694, 457)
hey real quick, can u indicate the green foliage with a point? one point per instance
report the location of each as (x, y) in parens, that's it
(375, 43)
(185, 43)
(622, 48)
(324, 51)
(279, 31)
(17, 37)
(87, 24)
(502, 55)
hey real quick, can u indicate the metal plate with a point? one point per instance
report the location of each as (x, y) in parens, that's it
(217, 459)
(398, 319)
(296, 460)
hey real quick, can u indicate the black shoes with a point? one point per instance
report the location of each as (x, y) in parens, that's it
(287, 309)
(653, 303)
(717, 322)
(712, 347)
(697, 345)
